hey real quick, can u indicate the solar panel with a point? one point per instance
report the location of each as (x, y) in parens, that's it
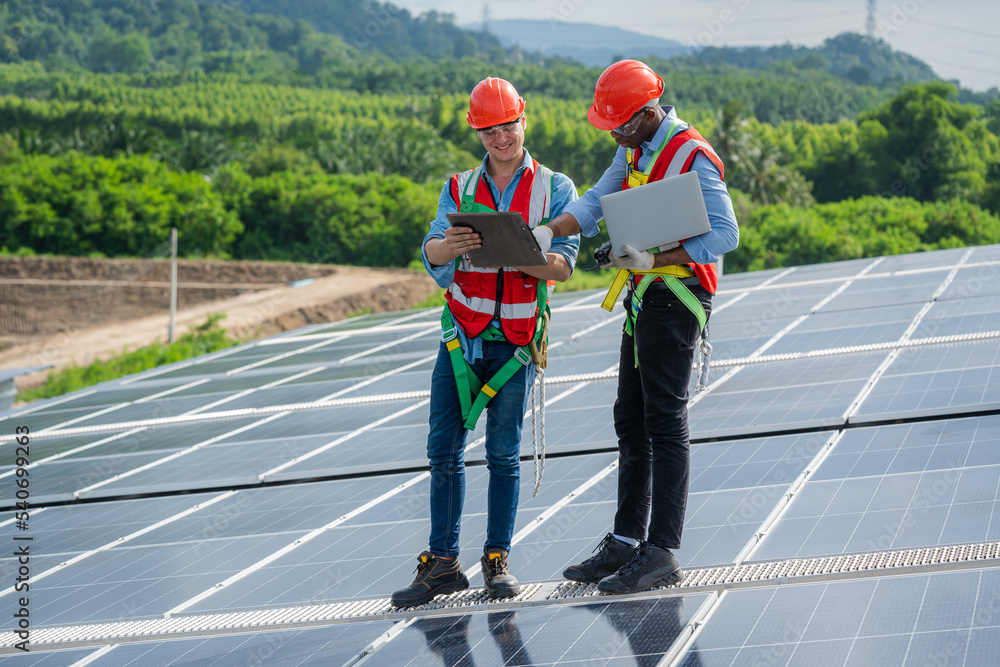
(972, 315)
(293, 647)
(895, 487)
(78, 528)
(790, 302)
(374, 552)
(824, 335)
(48, 659)
(911, 288)
(628, 632)
(943, 617)
(783, 467)
(783, 395)
(58, 480)
(936, 379)
(973, 283)
(133, 582)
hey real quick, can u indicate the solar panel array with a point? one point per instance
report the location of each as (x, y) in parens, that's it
(852, 408)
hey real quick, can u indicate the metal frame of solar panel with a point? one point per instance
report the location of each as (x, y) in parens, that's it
(852, 412)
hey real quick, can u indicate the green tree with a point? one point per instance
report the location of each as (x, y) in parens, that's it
(779, 235)
(754, 162)
(128, 54)
(76, 205)
(368, 220)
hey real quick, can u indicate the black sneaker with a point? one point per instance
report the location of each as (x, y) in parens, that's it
(611, 556)
(498, 580)
(435, 576)
(649, 567)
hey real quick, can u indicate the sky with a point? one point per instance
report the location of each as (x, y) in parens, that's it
(959, 39)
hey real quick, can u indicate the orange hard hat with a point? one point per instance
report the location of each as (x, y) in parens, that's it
(623, 89)
(494, 102)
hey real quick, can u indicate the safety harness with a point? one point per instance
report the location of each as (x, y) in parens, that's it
(670, 275)
(473, 394)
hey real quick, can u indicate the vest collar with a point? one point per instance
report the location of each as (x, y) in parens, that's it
(648, 147)
(527, 163)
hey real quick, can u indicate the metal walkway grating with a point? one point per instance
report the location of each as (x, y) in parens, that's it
(870, 564)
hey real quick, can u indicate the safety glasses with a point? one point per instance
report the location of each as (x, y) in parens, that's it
(629, 127)
(493, 132)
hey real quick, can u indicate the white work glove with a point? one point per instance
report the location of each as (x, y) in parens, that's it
(543, 235)
(633, 259)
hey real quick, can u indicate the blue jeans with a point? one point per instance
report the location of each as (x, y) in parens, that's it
(446, 449)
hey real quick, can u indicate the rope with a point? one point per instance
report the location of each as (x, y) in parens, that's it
(539, 354)
(539, 345)
(704, 361)
(536, 408)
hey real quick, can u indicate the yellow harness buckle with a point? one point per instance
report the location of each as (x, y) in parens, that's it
(623, 275)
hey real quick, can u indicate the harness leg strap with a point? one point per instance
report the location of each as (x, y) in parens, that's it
(679, 289)
(522, 357)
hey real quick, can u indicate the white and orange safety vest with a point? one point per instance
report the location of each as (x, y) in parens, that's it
(477, 296)
(674, 157)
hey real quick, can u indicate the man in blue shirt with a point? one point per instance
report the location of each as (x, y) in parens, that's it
(672, 286)
(492, 316)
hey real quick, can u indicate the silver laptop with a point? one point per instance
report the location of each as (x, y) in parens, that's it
(656, 214)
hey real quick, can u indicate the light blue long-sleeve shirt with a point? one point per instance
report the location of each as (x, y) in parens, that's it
(704, 249)
(563, 193)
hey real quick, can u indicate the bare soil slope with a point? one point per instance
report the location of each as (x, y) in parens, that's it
(74, 310)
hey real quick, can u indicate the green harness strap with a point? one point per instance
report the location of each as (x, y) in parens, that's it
(679, 289)
(473, 395)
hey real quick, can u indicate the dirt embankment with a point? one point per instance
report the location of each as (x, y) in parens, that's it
(74, 310)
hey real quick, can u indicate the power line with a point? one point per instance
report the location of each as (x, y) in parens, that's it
(966, 67)
(740, 21)
(942, 45)
(769, 39)
(957, 29)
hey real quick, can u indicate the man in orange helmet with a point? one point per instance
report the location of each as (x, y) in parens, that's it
(672, 286)
(491, 318)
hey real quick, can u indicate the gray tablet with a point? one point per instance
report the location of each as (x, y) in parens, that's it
(507, 240)
(657, 213)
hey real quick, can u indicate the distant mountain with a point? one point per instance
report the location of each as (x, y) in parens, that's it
(380, 26)
(593, 45)
(849, 55)
(138, 35)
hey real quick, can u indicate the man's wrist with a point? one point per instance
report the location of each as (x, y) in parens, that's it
(564, 225)
(671, 257)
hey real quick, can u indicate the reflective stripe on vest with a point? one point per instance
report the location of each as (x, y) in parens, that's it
(472, 296)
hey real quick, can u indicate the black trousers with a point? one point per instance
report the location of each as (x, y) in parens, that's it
(654, 455)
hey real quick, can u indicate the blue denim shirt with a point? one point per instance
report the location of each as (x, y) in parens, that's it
(704, 249)
(563, 193)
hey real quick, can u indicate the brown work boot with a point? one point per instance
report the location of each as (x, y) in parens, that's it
(498, 580)
(435, 576)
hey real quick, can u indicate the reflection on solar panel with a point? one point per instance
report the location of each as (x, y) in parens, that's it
(259, 505)
(943, 618)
